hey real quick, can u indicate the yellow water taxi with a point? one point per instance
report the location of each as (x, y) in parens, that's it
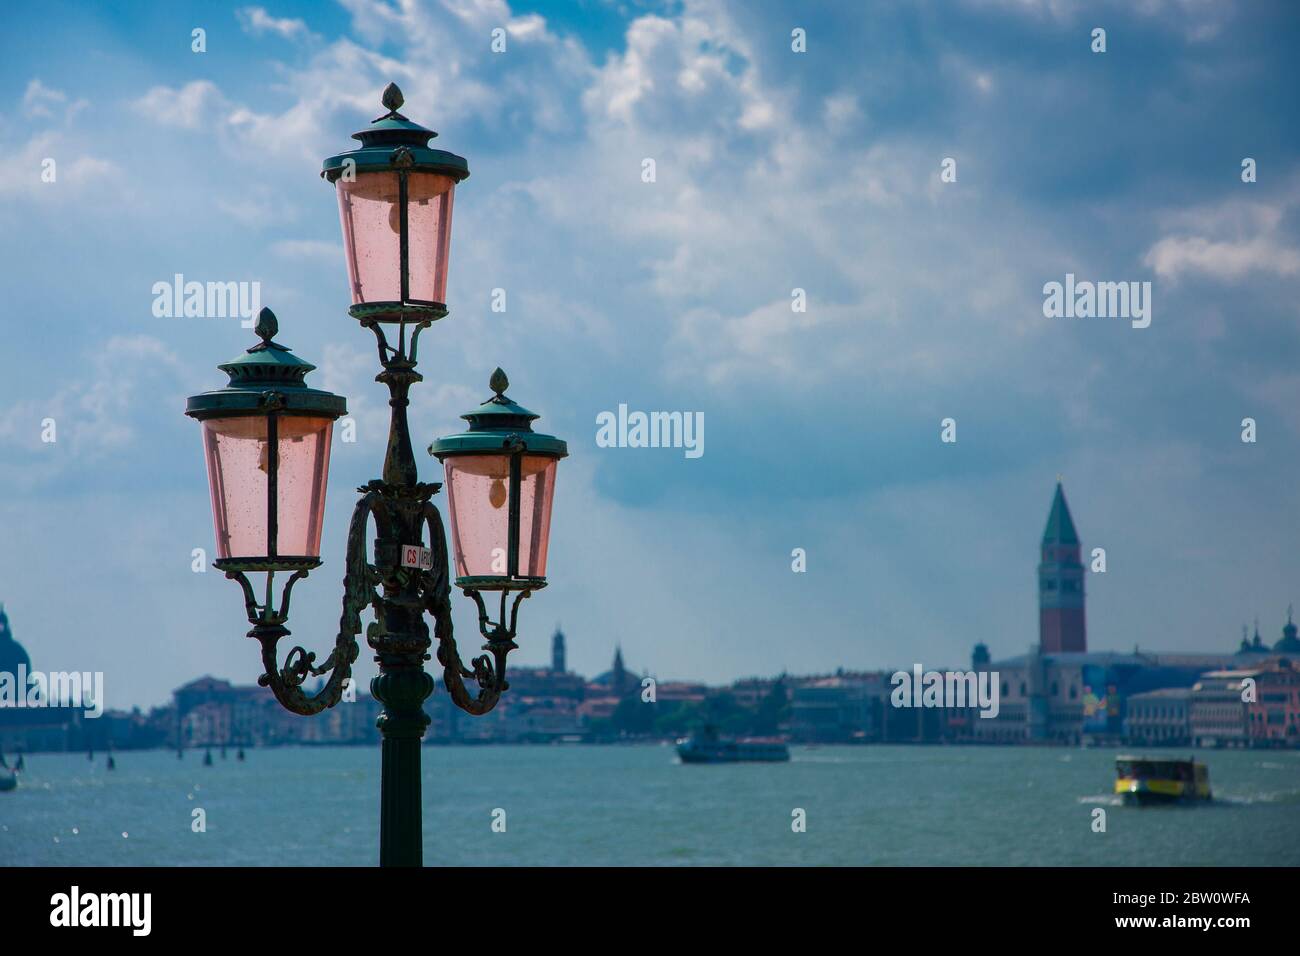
(1143, 780)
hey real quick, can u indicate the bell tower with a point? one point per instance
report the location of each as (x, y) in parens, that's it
(558, 663)
(1061, 624)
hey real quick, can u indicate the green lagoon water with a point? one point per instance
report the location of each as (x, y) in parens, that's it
(636, 805)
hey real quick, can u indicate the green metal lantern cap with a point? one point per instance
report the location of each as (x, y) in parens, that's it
(499, 426)
(392, 139)
(266, 378)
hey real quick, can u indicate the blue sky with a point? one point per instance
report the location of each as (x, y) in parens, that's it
(775, 170)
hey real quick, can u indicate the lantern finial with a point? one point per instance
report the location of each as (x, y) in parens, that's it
(267, 325)
(392, 98)
(499, 383)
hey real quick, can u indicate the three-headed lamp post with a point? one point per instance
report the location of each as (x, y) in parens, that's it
(266, 436)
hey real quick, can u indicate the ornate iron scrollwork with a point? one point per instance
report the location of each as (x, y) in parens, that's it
(488, 672)
(268, 626)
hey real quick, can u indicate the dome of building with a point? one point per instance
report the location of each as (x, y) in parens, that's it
(618, 678)
(1290, 643)
(12, 654)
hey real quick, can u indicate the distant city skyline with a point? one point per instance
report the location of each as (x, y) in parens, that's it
(1061, 624)
(1061, 627)
(781, 178)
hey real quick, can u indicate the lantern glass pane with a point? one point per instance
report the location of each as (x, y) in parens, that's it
(238, 457)
(370, 215)
(304, 472)
(478, 496)
(428, 221)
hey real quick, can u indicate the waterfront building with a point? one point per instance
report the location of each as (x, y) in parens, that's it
(351, 721)
(544, 703)
(1070, 698)
(841, 708)
(523, 719)
(750, 691)
(205, 725)
(1159, 718)
(202, 709)
(256, 718)
(213, 712)
(1273, 718)
(1217, 712)
(597, 709)
(547, 682)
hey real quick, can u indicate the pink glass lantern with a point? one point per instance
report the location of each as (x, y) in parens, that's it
(395, 197)
(478, 494)
(370, 213)
(238, 452)
(500, 487)
(266, 439)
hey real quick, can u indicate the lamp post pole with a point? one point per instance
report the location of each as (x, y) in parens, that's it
(402, 684)
(267, 437)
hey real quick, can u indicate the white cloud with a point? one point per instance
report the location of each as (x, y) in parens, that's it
(39, 100)
(676, 78)
(43, 102)
(74, 170)
(299, 131)
(445, 69)
(197, 103)
(256, 21)
(1227, 241)
(754, 198)
(51, 152)
(1175, 256)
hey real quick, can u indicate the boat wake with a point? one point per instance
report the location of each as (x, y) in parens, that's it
(1274, 796)
(1284, 797)
(1104, 800)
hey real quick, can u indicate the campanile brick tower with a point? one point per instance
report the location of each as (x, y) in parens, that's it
(1061, 624)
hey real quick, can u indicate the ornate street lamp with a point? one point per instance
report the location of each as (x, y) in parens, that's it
(267, 439)
(500, 485)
